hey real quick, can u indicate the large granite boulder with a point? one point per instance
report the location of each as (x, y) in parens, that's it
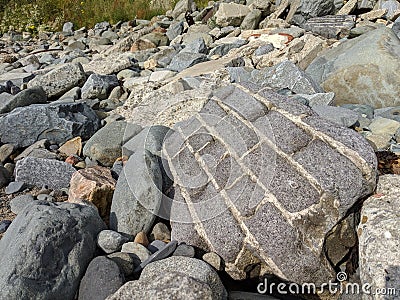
(60, 80)
(46, 250)
(55, 122)
(260, 178)
(363, 70)
(379, 236)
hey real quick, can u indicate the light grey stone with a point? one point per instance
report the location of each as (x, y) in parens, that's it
(15, 187)
(99, 86)
(339, 115)
(231, 14)
(40, 172)
(35, 95)
(18, 203)
(138, 249)
(60, 80)
(251, 20)
(184, 60)
(110, 241)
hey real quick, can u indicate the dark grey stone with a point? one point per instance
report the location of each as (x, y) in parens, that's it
(156, 245)
(4, 224)
(174, 30)
(35, 95)
(196, 46)
(105, 145)
(313, 8)
(223, 48)
(239, 74)
(56, 122)
(110, 241)
(264, 49)
(287, 75)
(390, 113)
(184, 250)
(362, 109)
(4, 176)
(102, 278)
(137, 195)
(162, 253)
(15, 187)
(46, 250)
(99, 86)
(339, 115)
(184, 60)
(41, 171)
(18, 203)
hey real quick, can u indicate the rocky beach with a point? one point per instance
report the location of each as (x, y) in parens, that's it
(245, 150)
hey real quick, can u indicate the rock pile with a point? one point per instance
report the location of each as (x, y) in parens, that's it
(193, 155)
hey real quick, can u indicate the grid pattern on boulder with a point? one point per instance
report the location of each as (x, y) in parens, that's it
(261, 179)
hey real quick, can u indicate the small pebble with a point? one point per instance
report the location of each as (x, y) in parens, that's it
(15, 187)
(45, 197)
(141, 238)
(160, 232)
(184, 250)
(137, 249)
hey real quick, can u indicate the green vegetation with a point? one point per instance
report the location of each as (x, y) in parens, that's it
(50, 15)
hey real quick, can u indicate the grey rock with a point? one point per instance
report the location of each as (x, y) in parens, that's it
(319, 98)
(366, 4)
(16, 78)
(40, 171)
(60, 80)
(102, 278)
(332, 26)
(150, 138)
(160, 232)
(52, 244)
(184, 250)
(251, 20)
(105, 145)
(4, 224)
(287, 75)
(181, 7)
(56, 122)
(35, 95)
(190, 267)
(15, 187)
(75, 45)
(392, 113)
(137, 249)
(45, 197)
(174, 285)
(239, 74)
(231, 206)
(162, 253)
(156, 245)
(392, 7)
(41, 144)
(174, 30)
(68, 27)
(313, 8)
(184, 60)
(111, 64)
(264, 49)
(18, 203)
(378, 236)
(137, 195)
(4, 177)
(226, 44)
(110, 241)
(339, 115)
(99, 86)
(125, 261)
(72, 95)
(338, 69)
(196, 46)
(110, 35)
(5, 151)
(230, 14)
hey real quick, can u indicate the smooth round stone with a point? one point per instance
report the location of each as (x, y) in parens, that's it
(18, 203)
(141, 238)
(45, 197)
(110, 241)
(184, 250)
(137, 249)
(15, 187)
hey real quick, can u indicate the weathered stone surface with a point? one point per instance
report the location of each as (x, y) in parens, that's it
(266, 160)
(18, 203)
(15, 187)
(41, 171)
(56, 122)
(331, 26)
(231, 14)
(160, 232)
(46, 250)
(177, 277)
(140, 251)
(110, 241)
(339, 115)
(105, 145)
(184, 60)
(102, 279)
(181, 7)
(5, 151)
(174, 285)
(126, 261)
(111, 64)
(362, 70)
(174, 30)
(35, 95)
(137, 195)
(95, 185)
(313, 8)
(379, 234)
(72, 147)
(251, 20)
(99, 86)
(60, 80)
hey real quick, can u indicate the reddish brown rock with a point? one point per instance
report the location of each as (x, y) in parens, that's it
(141, 238)
(95, 185)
